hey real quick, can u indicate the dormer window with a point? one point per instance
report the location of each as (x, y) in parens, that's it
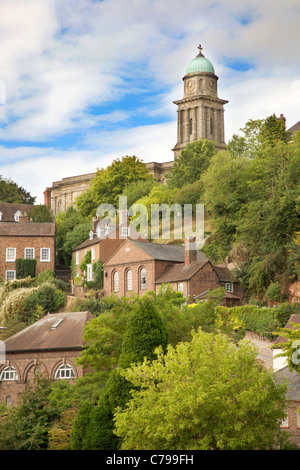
(91, 235)
(17, 216)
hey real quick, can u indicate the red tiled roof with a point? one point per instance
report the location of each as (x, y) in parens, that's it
(180, 272)
(9, 209)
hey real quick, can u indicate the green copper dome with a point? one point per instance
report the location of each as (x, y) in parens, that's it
(200, 64)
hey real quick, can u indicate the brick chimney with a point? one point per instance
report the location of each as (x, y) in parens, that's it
(190, 250)
(47, 197)
(23, 217)
(123, 217)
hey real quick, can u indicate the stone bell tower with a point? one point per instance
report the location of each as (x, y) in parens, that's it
(200, 111)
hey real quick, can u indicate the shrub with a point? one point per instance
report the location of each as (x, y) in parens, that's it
(25, 268)
(47, 296)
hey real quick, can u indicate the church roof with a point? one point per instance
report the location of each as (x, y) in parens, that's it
(200, 64)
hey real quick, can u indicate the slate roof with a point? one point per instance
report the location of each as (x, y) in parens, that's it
(162, 252)
(295, 128)
(295, 318)
(293, 382)
(28, 229)
(223, 273)
(41, 336)
(9, 209)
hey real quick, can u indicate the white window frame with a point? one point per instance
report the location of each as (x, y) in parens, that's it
(8, 257)
(26, 253)
(116, 281)
(180, 286)
(17, 216)
(89, 272)
(77, 257)
(143, 278)
(128, 280)
(125, 231)
(8, 373)
(1, 215)
(229, 286)
(285, 422)
(93, 252)
(42, 259)
(64, 371)
(7, 277)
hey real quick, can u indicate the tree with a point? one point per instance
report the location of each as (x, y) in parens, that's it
(108, 184)
(26, 426)
(204, 394)
(145, 332)
(191, 163)
(41, 213)
(65, 223)
(73, 238)
(11, 192)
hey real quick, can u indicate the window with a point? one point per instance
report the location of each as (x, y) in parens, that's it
(1, 215)
(10, 254)
(77, 257)
(17, 216)
(285, 422)
(89, 272)
(10, 275)
(211, 125)
(125, 231)
(116, 281)
(9, 373)
(229, 286)
(65, 371)
(8, 400)
(57, 323)
(180, 286)
(143, 277)
(29, 253)
(93, 255)
(191, 126)
(128, 280)
(45, 254)
(298, 418)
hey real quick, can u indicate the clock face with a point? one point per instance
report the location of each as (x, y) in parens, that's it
(190, 85)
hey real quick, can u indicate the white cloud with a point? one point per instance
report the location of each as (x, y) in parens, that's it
(60, 58)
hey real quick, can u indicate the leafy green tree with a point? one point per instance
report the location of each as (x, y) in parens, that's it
(41, 213)
(206, 394)
(73, 238)
(65, 223)
(291, 346)
(138, 189)
(145, 331)
(191, 163)
(26, 425)
(108, 184)
(11, 192)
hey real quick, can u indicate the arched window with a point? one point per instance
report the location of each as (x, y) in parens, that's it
(8, 400)
(128, 280)
(115, 281)
(65, 371)
(143, 278)
(9, 373)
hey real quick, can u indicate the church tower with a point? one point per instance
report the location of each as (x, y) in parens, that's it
(200, 111)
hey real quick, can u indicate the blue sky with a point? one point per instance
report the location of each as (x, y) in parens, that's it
(83, 82)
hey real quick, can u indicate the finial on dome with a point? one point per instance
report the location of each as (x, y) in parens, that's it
(200, 51)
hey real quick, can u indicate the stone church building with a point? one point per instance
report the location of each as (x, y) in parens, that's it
(200, 115)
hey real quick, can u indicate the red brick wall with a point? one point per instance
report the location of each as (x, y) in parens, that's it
(20, 243)
(293, 428)
(25, 363)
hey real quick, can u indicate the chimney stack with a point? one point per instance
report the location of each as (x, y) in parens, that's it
(123, 217)
(47, 197)
(190, 250)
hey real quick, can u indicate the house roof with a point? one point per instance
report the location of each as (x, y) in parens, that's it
(9, 209)
(223, 273)
(295, 318)
(43, 335)
(162, 252)
(27, 229)
(180, 272)
(228, 295)
(293, 382)
(295, 128)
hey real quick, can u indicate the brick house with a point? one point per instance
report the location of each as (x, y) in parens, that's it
(104, 239)
(50, 346)
(292, 423)
(21, 238)
(138, 266)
